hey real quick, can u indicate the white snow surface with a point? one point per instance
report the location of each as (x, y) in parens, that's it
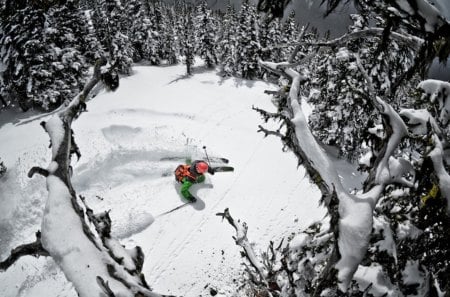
(158, 113)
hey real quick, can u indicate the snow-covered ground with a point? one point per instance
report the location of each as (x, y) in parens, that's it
(155, 114)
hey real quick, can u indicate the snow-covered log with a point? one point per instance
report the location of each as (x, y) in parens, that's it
(78, 240)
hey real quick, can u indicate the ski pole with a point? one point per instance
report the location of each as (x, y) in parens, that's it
(206, 153)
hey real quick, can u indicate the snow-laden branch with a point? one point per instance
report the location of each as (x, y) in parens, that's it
(411, 41)
(438, 92)
(385, 170)
(318, 164)
(418, 121)
(430, 16)
(78, 240)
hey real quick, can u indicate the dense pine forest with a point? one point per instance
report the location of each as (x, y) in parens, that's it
(48, 47)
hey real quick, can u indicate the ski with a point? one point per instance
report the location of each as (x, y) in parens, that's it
(183, 159)
(223, 169)
(174, 209)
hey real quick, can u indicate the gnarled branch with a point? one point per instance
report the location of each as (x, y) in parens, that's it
(34, 249)
(242, 240)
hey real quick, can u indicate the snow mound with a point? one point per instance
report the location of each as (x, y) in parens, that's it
(130, 224)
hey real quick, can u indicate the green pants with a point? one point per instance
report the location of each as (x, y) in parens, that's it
(187, 184)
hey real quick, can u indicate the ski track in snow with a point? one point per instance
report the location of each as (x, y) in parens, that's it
(122, 140)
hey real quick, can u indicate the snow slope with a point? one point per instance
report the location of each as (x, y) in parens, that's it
(159, 113)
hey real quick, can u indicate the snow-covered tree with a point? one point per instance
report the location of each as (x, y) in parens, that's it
(289, 32)
(205, 33)
(21, 48)
(227, 41)
(80, 19)
(169, 37)
(247, 44)
(186, 37)
(42, 53)
(341, 106)
(274, 52)
(112, 27)
(138, 26)
(62, 70)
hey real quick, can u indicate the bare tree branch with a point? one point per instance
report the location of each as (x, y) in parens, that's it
(241, 240)
(39, 170)
(269, 132)
(34, 249)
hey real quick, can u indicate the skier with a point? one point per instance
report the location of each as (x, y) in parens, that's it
(189, 174)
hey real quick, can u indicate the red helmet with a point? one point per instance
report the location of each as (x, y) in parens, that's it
(201, 167)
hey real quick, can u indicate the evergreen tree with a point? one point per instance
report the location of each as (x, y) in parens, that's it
(92, 48)
(289, 34)
(41, 51)
(264, 40)
(205, 33)
(247, 45)
(102, 25)
(187, 38)
(143, 37)
(138, 24)
(61, 73)
(341, 112)
(22, 47)
(156, 34)
(169, 42)
(112, 29)
(275, 38)
(227, 41)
